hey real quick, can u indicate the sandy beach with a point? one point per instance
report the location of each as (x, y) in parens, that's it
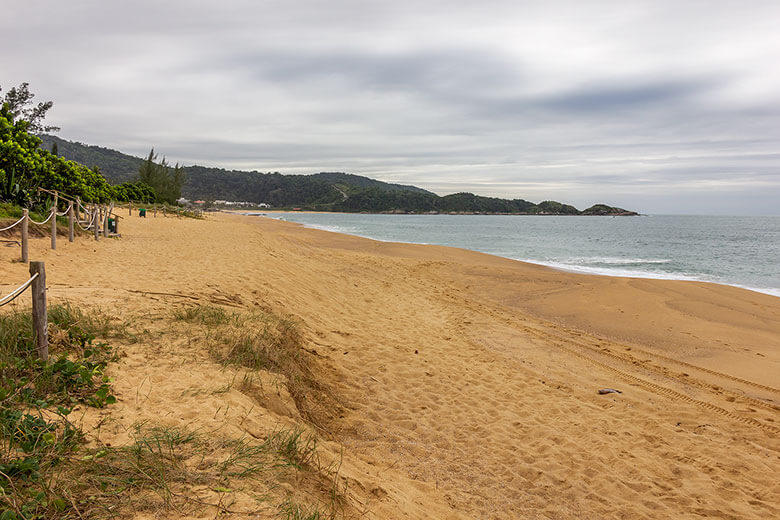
(461, 385)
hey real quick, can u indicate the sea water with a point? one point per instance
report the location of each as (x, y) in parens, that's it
(739, 251)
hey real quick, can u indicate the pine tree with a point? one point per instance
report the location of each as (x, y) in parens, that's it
(166, 181)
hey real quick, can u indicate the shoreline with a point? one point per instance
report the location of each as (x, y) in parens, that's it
(467, 383)
(553, 265)
(571, 301)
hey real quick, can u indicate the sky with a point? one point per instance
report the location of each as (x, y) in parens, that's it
(657, 106)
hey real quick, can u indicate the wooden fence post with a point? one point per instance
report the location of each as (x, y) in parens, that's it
(54, 223)
(40, 320)
(155, 211)
(116, 224)
(105, 220)
(25, 237)
(78, 209)
(95, 223)
(130, 209)
(71, 216)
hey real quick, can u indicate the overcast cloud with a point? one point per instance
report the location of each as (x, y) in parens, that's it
(660, 106)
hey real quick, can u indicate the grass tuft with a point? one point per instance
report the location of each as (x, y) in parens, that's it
(261, 340)
(289, 510)
(168, 461)
(208, 315)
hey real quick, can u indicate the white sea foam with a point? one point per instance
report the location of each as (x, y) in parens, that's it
(333, 229)
(615, 261)
(613, 271)
(358, 233)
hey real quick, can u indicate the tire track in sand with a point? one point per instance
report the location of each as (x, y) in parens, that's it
(561, 338)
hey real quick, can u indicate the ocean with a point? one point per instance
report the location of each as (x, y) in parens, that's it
(739, 251)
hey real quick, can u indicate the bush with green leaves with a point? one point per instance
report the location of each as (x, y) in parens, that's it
(25, 167)
(134, 191)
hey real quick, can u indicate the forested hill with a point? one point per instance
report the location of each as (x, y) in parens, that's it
(327, 191)
(364, 182)
(115, 166)
(213, 183)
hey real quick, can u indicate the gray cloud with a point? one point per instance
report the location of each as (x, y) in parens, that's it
(634, 103)
(608, 98)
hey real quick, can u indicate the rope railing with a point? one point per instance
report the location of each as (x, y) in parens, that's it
(89, 222)
(70, 205)
(39, 315)
(101, 219)
(18, 291)
(58, 194)
(13, 225)
(51, 214)
(74, 217)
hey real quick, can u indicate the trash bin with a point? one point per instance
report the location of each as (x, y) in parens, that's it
(142, 212)
(111, 225)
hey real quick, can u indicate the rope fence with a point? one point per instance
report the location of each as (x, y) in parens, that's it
(101, 219)
(40, 320)
(13, 225)
(66, 211)
(51, 214)
(18, 291)
(98, 218)
(88, 222)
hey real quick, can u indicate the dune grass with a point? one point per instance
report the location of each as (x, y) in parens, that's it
(74, 372)
(158, 471)
(47, 470)
(36, 397)
(262, 340)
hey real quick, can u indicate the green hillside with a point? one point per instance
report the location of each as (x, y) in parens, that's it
(364, 182)
(326, 191)
(115, 166)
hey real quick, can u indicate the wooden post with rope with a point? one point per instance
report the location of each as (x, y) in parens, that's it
(40, 320)
(95, 217)
(25, 235)
(130, 209)
(105, 221)
(54, 223)
(71, 217)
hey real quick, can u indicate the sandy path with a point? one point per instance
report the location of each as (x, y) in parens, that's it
(469, 381)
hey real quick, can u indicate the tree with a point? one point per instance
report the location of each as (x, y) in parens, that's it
(20, 106)
(164, 180)
(25, 167)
